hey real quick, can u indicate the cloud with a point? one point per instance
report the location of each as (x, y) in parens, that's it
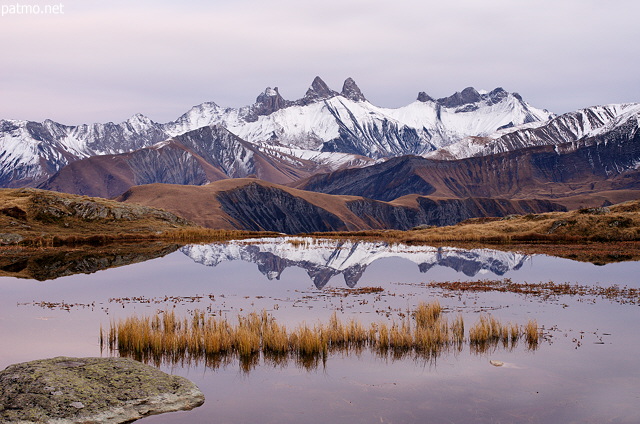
(106, 61)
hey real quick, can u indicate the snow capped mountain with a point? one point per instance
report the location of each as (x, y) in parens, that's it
(322, 259)
(324, 120)
(568, 128)
(325, 130)
(31, 151)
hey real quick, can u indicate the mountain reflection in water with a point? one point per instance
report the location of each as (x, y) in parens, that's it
(52, 263)
(324, 258)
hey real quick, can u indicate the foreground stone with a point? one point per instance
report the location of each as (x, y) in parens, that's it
(90, 390)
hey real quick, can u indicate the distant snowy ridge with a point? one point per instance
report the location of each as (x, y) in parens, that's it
(31, 151)
(568, 128)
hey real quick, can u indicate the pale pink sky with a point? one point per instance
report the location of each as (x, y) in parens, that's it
(105, 62)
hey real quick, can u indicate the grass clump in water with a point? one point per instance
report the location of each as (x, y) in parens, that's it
(166, 338)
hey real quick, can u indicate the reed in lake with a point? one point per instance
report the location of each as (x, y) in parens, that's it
(426, 332)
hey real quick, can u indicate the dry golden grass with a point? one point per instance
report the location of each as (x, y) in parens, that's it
(545, 291)
(426, 314)
(165, 337)
(531, 332)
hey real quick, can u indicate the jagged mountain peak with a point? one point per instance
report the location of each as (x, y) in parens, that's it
(201, 109)
(267, 94)
(268, 102)
(319, 90)
(470, 99)
(139, 119)
(424, 97)
(466, 96)
(351, 91)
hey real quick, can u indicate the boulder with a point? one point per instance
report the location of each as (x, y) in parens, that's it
(66, 390)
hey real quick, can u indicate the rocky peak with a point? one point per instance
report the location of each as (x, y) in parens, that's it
(497, 95)
(269, 101)
(351, 91)
(468, 95)
(319, 90)
(139, 120)
(424, 97)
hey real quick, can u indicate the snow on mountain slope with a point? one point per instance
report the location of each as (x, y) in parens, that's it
(323, 259)
(332, 160)
(568, 128)
(32, 151)
(306, 127)
(490, 112)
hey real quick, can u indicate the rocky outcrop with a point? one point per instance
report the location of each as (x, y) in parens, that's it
(319, 90)
(351, 91)
(424, 97)
(48, 218)
(468, 95)
(269, 102)
(49, 207)
(10, 238)
(90, 390)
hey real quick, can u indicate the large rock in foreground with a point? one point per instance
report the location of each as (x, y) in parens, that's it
(90, 390)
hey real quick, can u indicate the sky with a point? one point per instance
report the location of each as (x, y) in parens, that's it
(96, 61)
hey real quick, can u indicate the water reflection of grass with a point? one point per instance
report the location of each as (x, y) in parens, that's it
(425, 333)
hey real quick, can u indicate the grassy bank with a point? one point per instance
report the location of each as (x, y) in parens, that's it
(39, 218)
(42, 219)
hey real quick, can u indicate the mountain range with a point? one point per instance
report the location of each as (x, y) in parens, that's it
(472, 148)
(324, 127)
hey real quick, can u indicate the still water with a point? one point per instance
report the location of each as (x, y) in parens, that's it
(585, 372)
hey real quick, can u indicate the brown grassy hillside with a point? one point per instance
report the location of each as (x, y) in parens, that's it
(604, 224)
(43, 218)
(255, 205)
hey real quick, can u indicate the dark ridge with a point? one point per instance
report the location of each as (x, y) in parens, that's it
(260, 208)
(386, 181)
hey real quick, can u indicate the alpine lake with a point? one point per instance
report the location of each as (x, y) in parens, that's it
(583, 369)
